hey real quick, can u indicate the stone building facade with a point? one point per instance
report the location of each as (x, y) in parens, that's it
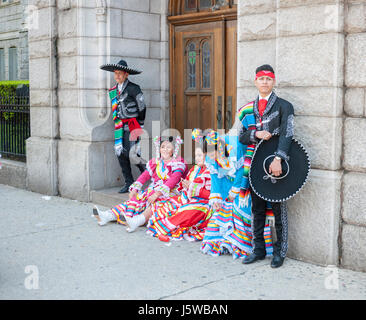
(13, 40)
(317, 48)
(71, 150)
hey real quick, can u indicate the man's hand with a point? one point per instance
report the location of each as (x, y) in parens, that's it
(275, 167)
(265, 135)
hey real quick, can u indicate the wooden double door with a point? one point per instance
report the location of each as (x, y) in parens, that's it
(203, 74)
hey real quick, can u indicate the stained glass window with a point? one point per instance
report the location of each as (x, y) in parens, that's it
(206, 65)
(191, 54)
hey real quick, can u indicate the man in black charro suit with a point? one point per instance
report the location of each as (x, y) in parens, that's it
(273, 115)
(129, 111)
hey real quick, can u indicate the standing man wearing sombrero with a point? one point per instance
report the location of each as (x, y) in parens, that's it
(129, 110)
(273, 116)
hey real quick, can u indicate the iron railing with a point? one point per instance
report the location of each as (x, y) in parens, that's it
(14, 126)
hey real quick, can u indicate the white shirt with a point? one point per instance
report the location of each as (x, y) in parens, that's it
(120, 86)
(266, 98)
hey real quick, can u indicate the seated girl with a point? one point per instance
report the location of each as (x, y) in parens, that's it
(185, 216)
(165, 172)
(229, 229)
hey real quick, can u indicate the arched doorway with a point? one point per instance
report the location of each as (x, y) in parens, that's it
(203, 38)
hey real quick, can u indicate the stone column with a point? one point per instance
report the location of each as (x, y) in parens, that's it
(101, 13)
(305, 45)
(160, 50)
(42, 163)
(23, 44)
(86, 157)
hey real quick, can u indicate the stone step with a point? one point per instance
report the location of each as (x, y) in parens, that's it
(108, 197)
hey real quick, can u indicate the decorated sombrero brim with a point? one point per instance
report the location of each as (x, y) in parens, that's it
(294, 172)
(121, 65)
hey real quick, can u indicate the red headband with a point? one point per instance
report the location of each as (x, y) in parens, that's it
(264, 73)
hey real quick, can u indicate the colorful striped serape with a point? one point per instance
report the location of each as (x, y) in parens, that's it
(118, 125)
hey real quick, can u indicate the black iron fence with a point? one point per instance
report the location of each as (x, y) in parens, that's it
(14, 126)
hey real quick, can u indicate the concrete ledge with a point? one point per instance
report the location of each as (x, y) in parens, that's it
(108, 197)
(13, 173)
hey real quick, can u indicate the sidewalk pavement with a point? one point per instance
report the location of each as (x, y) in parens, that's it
(51, 248)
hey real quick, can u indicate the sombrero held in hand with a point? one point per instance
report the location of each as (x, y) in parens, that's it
(294, 172)
(121, 65)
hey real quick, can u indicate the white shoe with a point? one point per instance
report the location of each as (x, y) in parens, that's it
(135, 222)
(103, 217)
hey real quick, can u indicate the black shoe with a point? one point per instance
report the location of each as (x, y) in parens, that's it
(277, 261)
(124, 189)
(252, 258)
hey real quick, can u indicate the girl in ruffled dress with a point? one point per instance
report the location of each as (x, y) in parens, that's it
(185, 216)
(229, 229)
(165, 172)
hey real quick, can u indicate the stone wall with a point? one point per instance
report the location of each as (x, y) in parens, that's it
(42, 146)
(71, 151)
(305, 43)
(14, 34)
(353, 231)
(23, 53)
(140, 36)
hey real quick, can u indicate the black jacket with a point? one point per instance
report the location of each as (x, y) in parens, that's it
(278, 118)
(131, 102)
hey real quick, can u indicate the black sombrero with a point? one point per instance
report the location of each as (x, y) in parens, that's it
(294, 172)
(121, 65)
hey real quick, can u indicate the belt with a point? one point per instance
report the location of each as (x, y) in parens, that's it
(134, 127)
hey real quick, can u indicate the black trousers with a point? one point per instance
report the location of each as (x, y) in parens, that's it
(124, 158)
(258, 223)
